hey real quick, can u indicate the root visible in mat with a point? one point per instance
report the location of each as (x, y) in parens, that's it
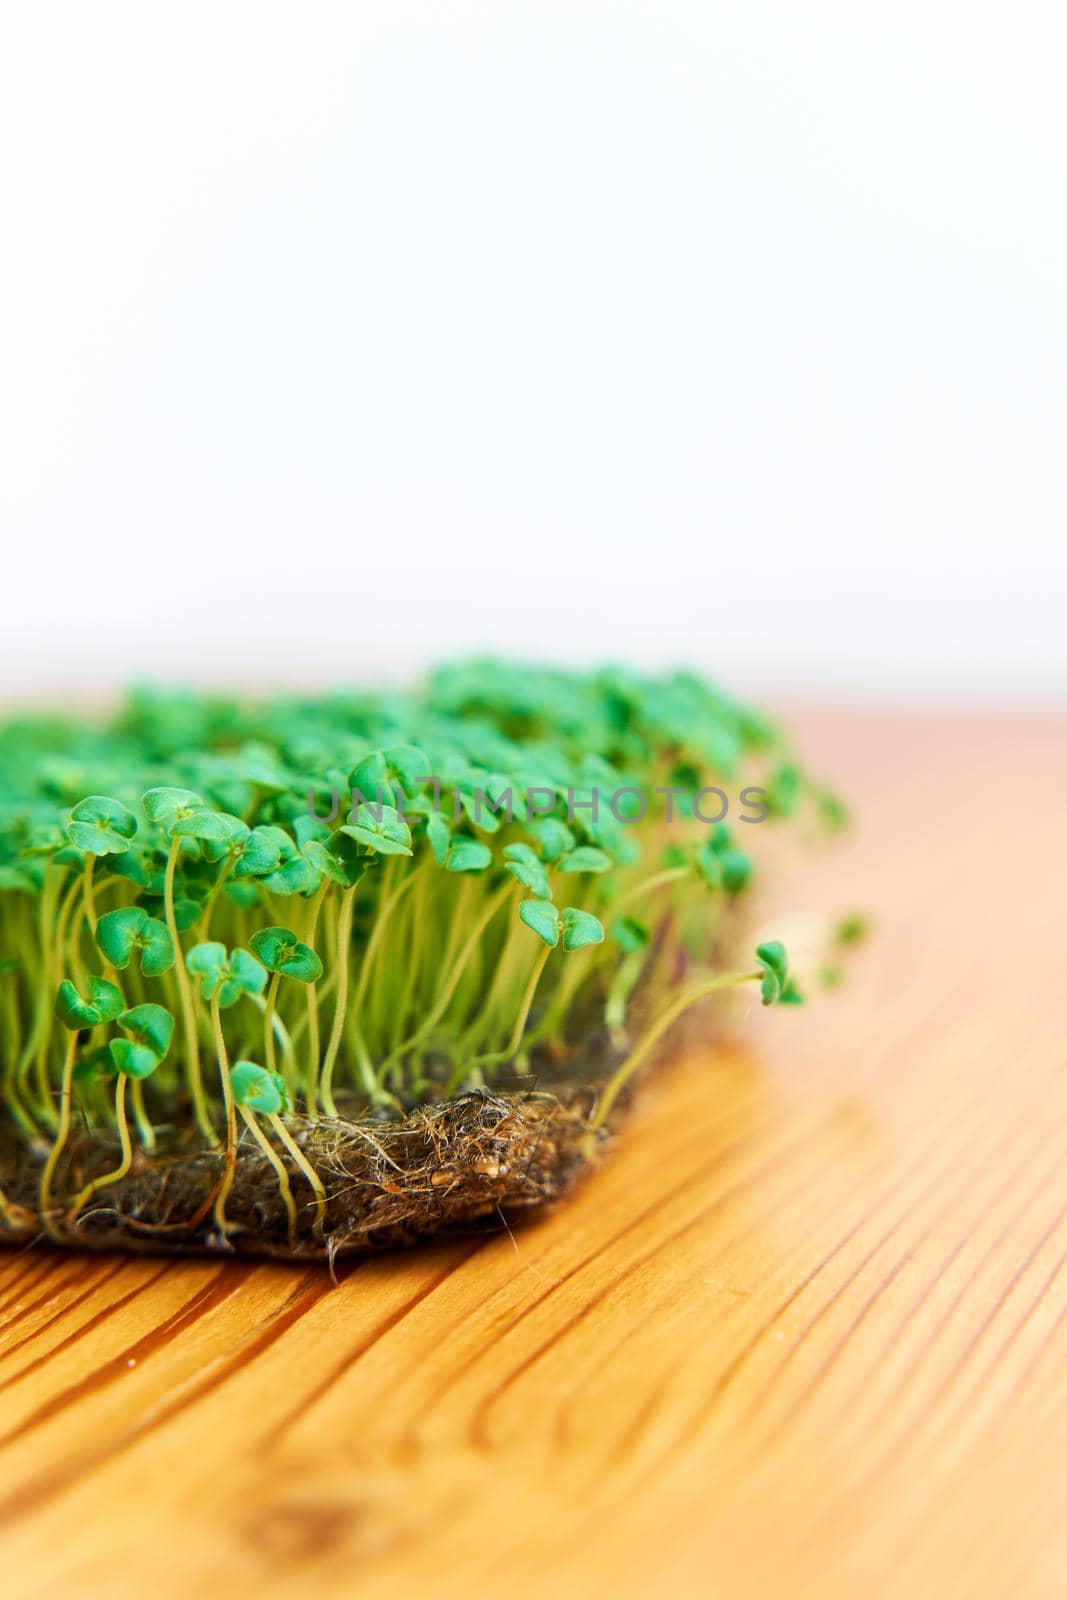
(387, 1184)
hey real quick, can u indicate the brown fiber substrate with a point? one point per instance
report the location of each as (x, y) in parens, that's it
(387, 1183)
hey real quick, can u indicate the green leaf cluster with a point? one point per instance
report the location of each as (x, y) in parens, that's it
(389, 855)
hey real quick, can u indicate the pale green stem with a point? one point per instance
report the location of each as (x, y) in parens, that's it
(44, 1203)
(213, 895)
(231, 1118)
(374, 942)
(647, 885)
(305, 1166)
(145, 1129)
(452, 981)
(279, 1168)
(36, 1050)
(498, 986)
(268, 1024)
(185, 994)
(126, 1160)
(512, 1046)
(622, 1074)
(622, 986)
(87, 893)
(344, 935)
(311, 1092)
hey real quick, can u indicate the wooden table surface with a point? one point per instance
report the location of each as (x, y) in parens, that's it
(805, 1333)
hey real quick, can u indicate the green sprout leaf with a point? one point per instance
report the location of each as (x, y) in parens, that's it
(131, 1059)
(186, 912)
(585, 858)
(95, 1066)
(281, 951)
(226, 976)
(101, 826)
(776, 986)
(408, 763)
(207, 961)
(370, 777)
(629, 933)
(133, 866)
(339, 858)
(775, 964)
(149, 1029)
(119, 933)
(709, 865)
(149, 1025)
(102, 1003)
(44, 840)
(168, 806)
(253, 1086)
(526, 865)
(736, 870)
(440, 835)
(468, 855)
(259, 853)
(296, 875)
(554, 837)
(543, 918)
(386, 833)
(381, 771)
(214, 828)
(580, 929)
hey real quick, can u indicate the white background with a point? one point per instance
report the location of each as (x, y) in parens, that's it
(336, 337)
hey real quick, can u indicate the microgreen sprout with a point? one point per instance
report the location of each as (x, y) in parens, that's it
(391, 900)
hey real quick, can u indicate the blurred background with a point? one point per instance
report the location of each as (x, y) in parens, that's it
(337, 338)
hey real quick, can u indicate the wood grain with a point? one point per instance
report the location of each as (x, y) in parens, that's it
(804, 1333)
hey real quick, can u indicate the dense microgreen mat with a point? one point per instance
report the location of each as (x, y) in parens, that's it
(231, 926)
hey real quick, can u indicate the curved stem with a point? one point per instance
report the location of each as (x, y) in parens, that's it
(323, 990)
(373, 943)
(490, 1004)
(10, 1094)
(231, 1118)
(63, 918)
(87, 893)
(647, 885)
(305, 1166)
(36, 1050)
(417, 937)
(622, 1075)
(622, 987)
(268, 1023)
(344, 935)
(512, 1046)
(311, 1091)
(126, 1160)
(573, 976)
(279, 1168)
(185, 995)
(145, 1129)
(44, 1198)
(213, 895)
(451, 983)
(43, 1011)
